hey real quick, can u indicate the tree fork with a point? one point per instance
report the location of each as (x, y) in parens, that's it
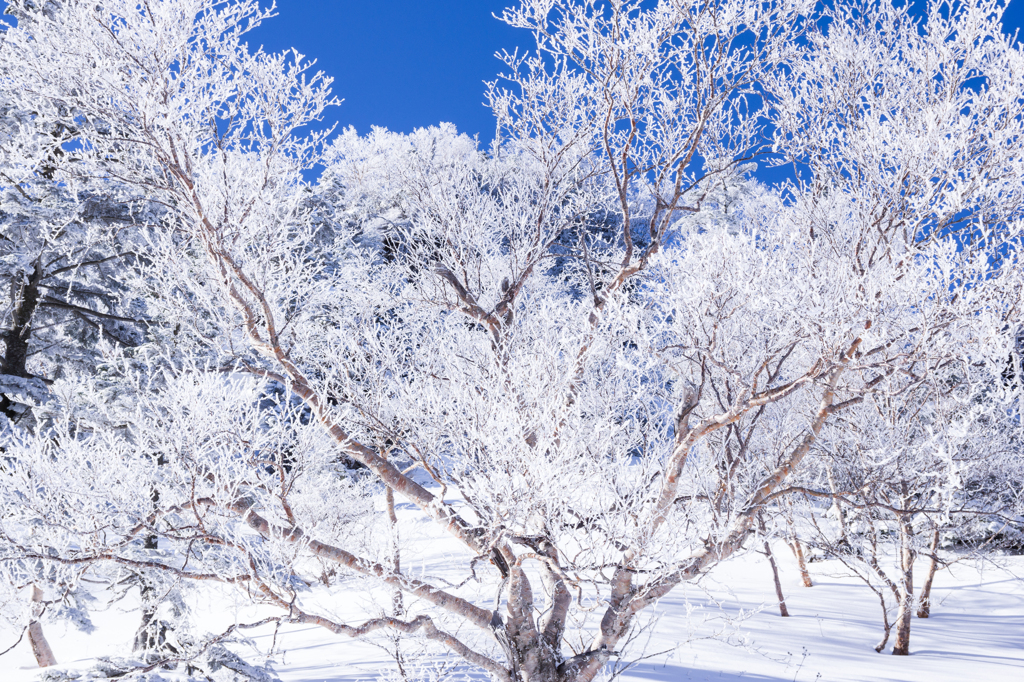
(40, 647)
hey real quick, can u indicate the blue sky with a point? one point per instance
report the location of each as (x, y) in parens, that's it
(404, 64)
(401, 64)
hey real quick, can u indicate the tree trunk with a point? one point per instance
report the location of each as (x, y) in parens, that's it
(886, 625)
(16, 338)
(840, 514)
(924, 608)
(906, 612)
(151, 639)
(40, 647)
(397, 603)
(783, 611)
(798, 550)
(14, 363)
(531, 660)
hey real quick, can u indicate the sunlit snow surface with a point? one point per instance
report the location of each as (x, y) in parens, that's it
(976, 631)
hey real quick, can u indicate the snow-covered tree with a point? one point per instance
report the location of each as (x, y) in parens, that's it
(907, 480)
(64, 243)
(588, 359)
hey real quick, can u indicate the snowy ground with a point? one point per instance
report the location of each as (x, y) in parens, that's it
(976, 632)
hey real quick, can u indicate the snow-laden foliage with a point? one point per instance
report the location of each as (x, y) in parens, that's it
(595, 355)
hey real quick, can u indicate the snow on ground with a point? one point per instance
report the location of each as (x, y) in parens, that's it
(724, 629)
(975, 632)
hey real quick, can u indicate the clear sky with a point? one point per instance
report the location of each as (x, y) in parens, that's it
(404, 64)
(401, 64)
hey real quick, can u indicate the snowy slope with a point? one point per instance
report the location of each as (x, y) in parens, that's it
(723, 629)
